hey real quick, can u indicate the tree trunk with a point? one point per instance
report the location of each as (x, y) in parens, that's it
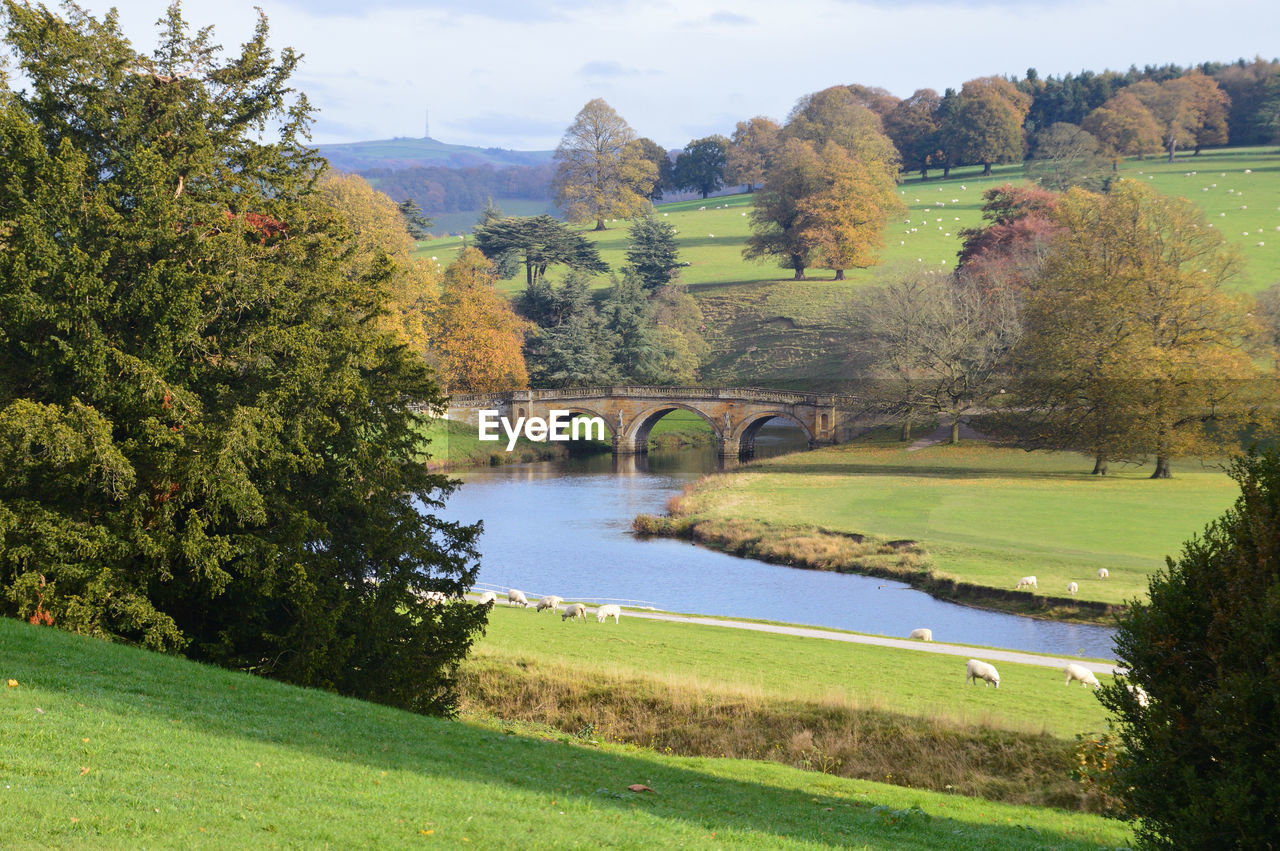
(955, 431)
(905, 434)
(1162, 468)
(705, 193)
(839, 274)
(946, 172)
(600, 224)
(799, 276)
(1173, 146)
(924, 175)
(986, 169)
(1100, 465)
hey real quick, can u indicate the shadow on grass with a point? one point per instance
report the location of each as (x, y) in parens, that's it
(105, 678)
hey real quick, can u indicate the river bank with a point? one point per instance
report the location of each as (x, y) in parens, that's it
(962, 523)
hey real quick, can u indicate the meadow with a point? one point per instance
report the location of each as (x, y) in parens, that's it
(983, 515)
(107, 746)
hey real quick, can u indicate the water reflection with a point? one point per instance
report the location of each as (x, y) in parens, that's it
(565, 528)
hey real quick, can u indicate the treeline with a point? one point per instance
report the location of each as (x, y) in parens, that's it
(440, 189)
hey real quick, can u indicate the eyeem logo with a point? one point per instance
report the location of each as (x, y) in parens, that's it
(561, 426)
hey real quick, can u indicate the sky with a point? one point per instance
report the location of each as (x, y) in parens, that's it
(514, 73)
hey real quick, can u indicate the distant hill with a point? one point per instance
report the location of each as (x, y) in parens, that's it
(407, 153)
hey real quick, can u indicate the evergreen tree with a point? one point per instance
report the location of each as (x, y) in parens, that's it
(652, 252)
(636, 351)
(205, 441)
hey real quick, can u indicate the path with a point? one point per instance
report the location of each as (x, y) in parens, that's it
(900, 643)
(942, 433)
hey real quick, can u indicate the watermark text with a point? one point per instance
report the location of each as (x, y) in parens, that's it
(562, 425)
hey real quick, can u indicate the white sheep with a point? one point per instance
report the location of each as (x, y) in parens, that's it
(1072, 588)
(486, 598)
(1103, 573)
(1081, 673)
(577, 611)
(975, 670)
(922, 633)
(548, 602)
(1026, 582)
(1139, 694)
(604, 612)
(518, 598)
(434, 598)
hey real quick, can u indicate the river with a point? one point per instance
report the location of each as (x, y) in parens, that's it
(564, 527)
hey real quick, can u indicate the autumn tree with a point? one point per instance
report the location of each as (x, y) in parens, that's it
(206, 444)
(987, 127)
(1130, 319)
(700, 166)
(751, 150)
(476, 337)
(1066, 156)
(776, 224)
(600, 173)
(1190, 110)
(540, 242)
(1007, 250)
(1124, 127)
(656, 154)
(913, 126)
(878, 100)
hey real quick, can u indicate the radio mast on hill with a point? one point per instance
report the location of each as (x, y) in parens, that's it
(426, 124)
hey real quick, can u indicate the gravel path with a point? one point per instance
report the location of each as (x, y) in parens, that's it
(900, 643)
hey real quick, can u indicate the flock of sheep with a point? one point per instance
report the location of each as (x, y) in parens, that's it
(573, 611)
(1072, 587)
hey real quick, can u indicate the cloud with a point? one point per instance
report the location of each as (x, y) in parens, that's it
(504, 125)
(607, 68)
(731, 18)
(503, 10)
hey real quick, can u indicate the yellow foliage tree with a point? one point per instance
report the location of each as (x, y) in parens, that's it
(476, 337)
(844, 220)
(600, 171)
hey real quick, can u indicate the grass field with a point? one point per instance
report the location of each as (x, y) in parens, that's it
(986, 516)
(767, 330)
(110, 747)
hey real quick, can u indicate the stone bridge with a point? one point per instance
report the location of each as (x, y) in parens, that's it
(734, 414)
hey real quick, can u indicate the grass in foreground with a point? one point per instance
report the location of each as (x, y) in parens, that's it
(108, 746)
(986, 516)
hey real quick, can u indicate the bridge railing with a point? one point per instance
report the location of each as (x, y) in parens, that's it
(753, 394)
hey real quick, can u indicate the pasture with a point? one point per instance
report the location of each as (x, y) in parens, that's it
(107, 746)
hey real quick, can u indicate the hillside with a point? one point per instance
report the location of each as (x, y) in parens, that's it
(404, 152)
(106, 746)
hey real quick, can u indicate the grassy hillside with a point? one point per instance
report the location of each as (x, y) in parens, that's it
(406, 153)
(110, 747)
(985, 516)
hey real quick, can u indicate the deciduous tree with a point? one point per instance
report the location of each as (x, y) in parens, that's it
(751, 151)
(1124, 127)
(987, 127)
(600, 173)
(700, 166)
(1066, 156)
(476, 337)
(913, 126)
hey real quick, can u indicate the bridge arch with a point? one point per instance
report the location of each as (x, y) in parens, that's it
(744, 435)
(636, 434)
(610, 427)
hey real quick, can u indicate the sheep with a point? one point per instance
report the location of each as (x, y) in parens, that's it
(975, 670)
(1026, 582)
(1139, 694)
(434, 598)
(1081, 673)
(1072, 588)
(922, 633)
(548, 602)
(487, 598)
(577, 611)
(603, 613)
(1103, 573)
(518, 598)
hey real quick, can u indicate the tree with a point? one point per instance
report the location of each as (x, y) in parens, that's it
(1190, 111)
(1066, 156)
(681, 347)
(636, 341)
(700, 166)
(1130, 314)
(1245, 84)
(656, 154)
(878, 100)
(416, 224)
(1210, 104)
(913, 126)
(476, 336)
(208, 448)
(652, 252)
(751, 151)
(775, 212)
(575, 353)
(540, 242)
(1124, 127)
(987, 127)
(1268, 313)
(843, 218)
(1197, 769)
(1008, 250)
(599, 172)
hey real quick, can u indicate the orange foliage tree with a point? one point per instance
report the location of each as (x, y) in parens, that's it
(475, 336)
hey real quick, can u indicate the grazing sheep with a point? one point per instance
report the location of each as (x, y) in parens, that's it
(1072, 588)
(923, 634)
(487, 598)
(975, 670)
(603, 613)
(1081, 673)
(1026, 582)
(435, 598)
(548, 602)
(518, 598)
(1103, 573)
(1139, 694)
(577, 611)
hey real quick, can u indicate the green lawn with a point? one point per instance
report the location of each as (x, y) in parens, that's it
(787, 667)
(105, 746)
(987, 516)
